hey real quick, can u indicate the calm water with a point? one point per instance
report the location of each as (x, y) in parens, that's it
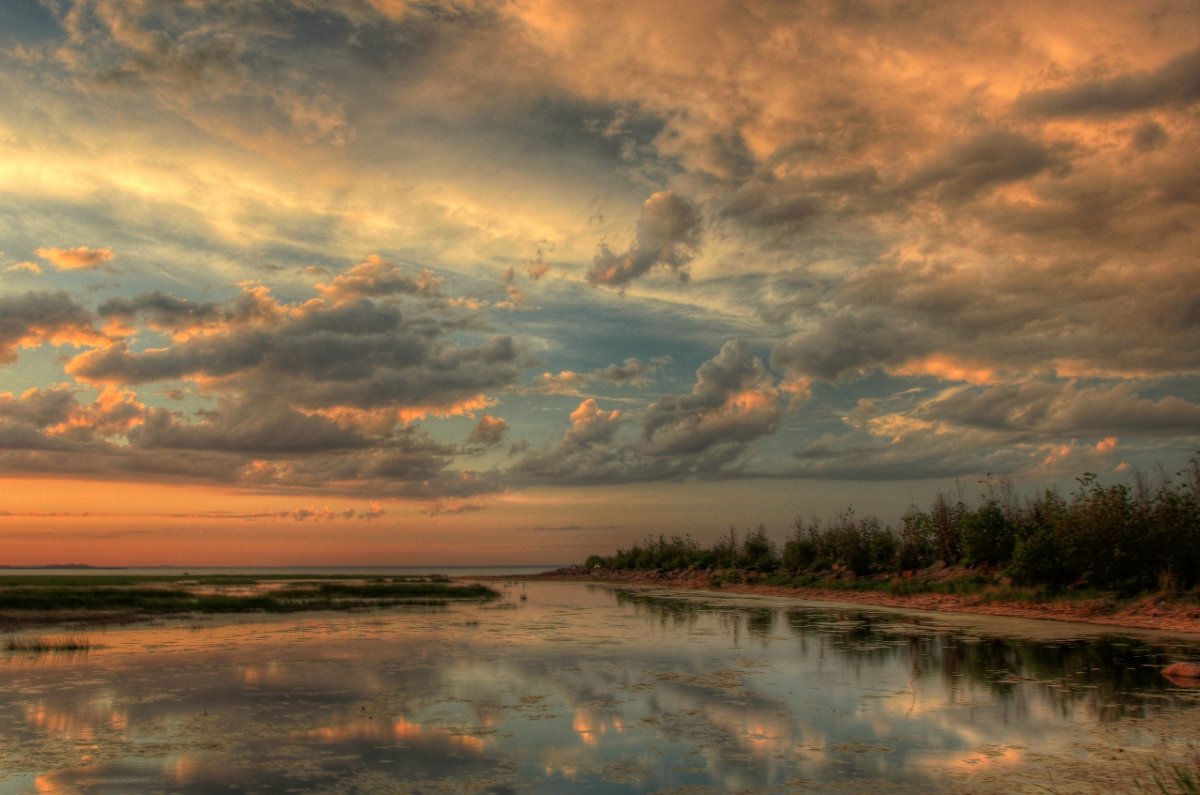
(566, 687)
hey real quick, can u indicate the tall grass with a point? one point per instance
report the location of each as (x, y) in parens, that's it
(42, 645)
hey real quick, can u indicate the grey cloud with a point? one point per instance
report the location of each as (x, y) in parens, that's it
(161, 310)
(990, 158)
(1066, 410)
(1149, 136)
(1176, 82)
(16, 435)
(791, 205)
(488, 432)
(703, 433)
(918, 455)
(668, 234)
(351, 354)
(632, 371)
(410, 457)
(852, 342)
(1055, 314)
(39, 408)
(259, 427)
(37, 317)
(732, 402)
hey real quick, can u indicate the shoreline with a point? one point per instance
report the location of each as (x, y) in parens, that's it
(1148, 613)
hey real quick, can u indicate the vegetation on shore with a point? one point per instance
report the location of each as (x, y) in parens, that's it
(49, 599)
(1120, 539)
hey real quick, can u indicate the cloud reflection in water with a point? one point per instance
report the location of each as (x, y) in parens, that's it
(575, 686)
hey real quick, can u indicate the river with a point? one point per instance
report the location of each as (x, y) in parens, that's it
(575, 687)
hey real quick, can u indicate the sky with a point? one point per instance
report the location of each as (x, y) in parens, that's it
(286, 282)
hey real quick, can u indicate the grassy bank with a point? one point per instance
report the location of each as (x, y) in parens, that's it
(28, 600)
(1118, 541)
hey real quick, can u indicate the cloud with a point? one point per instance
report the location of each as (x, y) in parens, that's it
(586, 454)
(320, 394)
(1176, 82)
(977, 321)
(80, 258)
(164, 312)
(489, 432)
(705, 432)
(322, 514)
(734, 401)
(631, 372)
(451, 507)
(1149, 136)
(1064, 409)
(35, 318)
(988, 159)
(590, 425)
(24, 267)
(668, 234)
(259, 427)
(351, 354)
(376, 277)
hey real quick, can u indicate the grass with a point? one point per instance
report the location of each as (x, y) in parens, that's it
(51, 599)
(42, 645)
(1175, 780)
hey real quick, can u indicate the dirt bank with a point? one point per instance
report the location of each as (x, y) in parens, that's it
(1151, 613)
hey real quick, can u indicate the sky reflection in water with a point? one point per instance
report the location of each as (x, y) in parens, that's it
(570, 687)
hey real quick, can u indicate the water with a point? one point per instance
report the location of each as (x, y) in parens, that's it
(280, 571)
(570, 687)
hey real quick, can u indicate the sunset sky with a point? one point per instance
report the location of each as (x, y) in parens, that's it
(386, 282)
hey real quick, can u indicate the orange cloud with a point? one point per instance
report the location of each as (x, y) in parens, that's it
(381, 420)
(80, 258)
(948, 368)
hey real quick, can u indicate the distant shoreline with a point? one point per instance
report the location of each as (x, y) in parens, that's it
(70, 567)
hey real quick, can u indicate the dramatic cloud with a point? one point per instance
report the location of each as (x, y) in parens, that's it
(586, 453)
(987, 160)
(733, 402)
(357, 243)
(1065, 410)
(668, 234)
(35, 318)
(358, 355)
(1176, 82)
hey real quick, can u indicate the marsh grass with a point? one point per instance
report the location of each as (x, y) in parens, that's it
(42, 645)
(1175, 779)
(55, 599)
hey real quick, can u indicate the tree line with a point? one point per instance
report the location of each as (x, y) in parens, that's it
(1122, 538)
